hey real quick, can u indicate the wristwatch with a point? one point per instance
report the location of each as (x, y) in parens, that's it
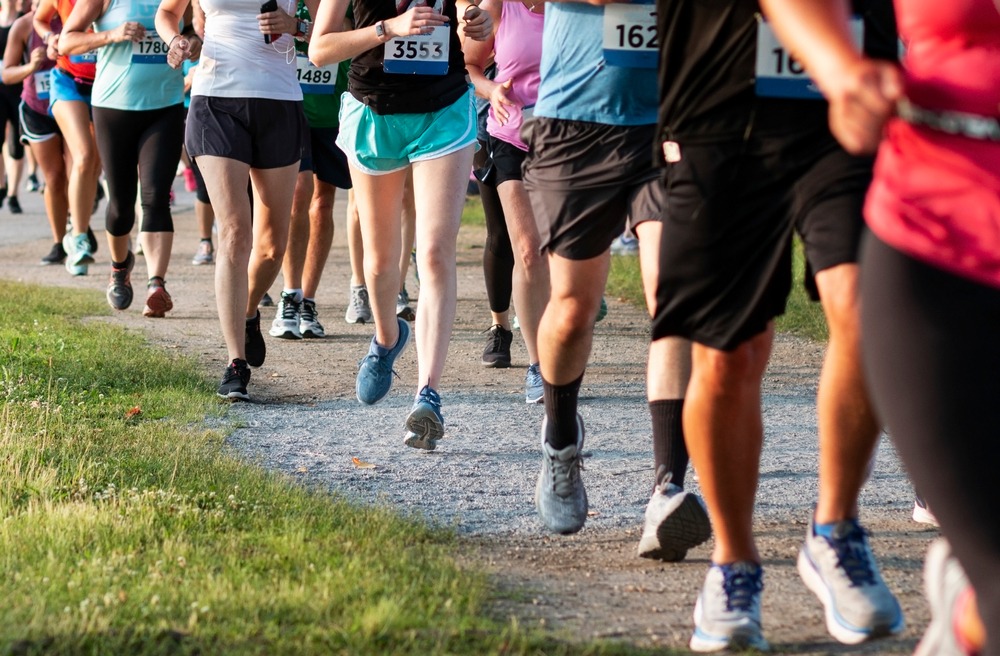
(380, 30)
(301, 29)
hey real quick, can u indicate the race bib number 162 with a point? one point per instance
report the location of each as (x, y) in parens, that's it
(630, 35)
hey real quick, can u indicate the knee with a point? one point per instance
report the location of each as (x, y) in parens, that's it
(235, 239)
(436, 260)
(730, 371)
(571, 317)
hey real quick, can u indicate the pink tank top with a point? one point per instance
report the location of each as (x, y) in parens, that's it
(517, 50)
(936, 196)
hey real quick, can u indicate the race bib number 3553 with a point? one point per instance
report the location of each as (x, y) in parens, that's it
(422, 54)
(630, 35)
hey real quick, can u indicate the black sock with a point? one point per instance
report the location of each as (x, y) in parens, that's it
(669, 449)
(118, 265)
(560, 408)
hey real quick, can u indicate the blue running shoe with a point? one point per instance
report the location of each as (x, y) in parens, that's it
(375, 371)
(534, 389)
(425, 425)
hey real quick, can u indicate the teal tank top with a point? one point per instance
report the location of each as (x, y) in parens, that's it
(134, 75)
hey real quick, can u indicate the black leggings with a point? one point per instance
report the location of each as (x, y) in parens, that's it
(932, 355)
(139, 147)
(10, 119)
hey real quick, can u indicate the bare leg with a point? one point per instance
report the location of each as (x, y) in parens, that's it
(320, 236)
(298, 231)
(73, 118)
(273, 190)
(51, 159)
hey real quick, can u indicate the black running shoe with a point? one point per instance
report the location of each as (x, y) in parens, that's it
(14, 205)
(98, 197)
(92, 238)
(255, 347)
(120, 285)
(56, 256)
(497, 351)
(234, 381)
(266, 300)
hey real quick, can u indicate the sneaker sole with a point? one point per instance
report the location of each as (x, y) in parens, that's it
(157, 306)
(312, 334)
(120, 306)
(683, 529)
(743, 638)
(358, 320)
(924, 516)
(836, 627)
(425, 429)
(497, 364)
(539, 401)
(234, 396)
(285, 334)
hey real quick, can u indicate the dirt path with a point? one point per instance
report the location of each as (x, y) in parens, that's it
(306, 422)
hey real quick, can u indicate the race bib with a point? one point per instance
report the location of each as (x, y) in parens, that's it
(779, 75)
(423, 54)
(150, 50)
(43, 81)
(316, 80)
(630, 35)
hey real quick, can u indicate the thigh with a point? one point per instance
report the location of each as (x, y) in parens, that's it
(439, 197)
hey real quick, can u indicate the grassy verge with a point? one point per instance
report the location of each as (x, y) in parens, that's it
(127, 527)
(802, 316)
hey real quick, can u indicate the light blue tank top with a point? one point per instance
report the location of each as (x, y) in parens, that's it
(135, 76)
(578, 84)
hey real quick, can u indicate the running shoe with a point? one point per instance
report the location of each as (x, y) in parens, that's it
(14, 205)
(921, 513)
(33, 185)
(286, 319)
(309, 325)
(375, 370)
(57, 255)
(359, 310)
(205, 254)
(425, 425)
(78, 254)
(120, 286)
(403, 309)
(625, 245)
(158, 300)
(841, 571)
(497, 351)
(234, 381)
(675, 521)
(534, 389)
(944, 583)
(560, 498)
(92, 240)
(266, 300)
(256, 349)
(727, 613)
(190, 183)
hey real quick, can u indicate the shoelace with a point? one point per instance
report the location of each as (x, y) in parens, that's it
(308, 311)
(430, 396)
(496, 337)
(742, 584)
(534, 376)
(360, 299)
(565, 474)
(853, 556)
(289, 308)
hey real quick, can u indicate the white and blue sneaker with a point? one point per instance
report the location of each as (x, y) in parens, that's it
(534, 389)
(425, 424)
(840, 569)
(727, 613)
(560, 498)
(375, 371)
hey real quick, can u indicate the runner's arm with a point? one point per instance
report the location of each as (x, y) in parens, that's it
(77, 36)
(17, 40)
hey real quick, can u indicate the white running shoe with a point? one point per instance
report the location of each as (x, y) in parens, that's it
(944, 582)
(286, 320)
(676, 520)
(727, 614)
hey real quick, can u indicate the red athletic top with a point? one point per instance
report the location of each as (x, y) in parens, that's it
(936, 196)
(83, 68)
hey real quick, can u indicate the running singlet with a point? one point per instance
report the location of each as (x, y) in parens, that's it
(709, 67)
(936, 196)
(81, 67)
(578, 83)
(321, 86)
(134, 75)
(518, 53)
(35, 92)
(404, 76)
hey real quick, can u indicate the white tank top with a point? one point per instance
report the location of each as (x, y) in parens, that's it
(235, 61)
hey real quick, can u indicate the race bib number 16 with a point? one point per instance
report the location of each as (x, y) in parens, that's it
(779, 75)
(422, 54)
(630, 35)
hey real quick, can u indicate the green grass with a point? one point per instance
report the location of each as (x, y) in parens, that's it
(802, 316)
(128, 528)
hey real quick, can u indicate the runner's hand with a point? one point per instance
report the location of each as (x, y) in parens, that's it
(276, 23)
(36, 57)
(52, 50)
(478, 23)
(180, 49)
(418, 20)
(129, 31)
(499, 101)
(862, 100)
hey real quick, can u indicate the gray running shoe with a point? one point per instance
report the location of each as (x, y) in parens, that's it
(676, 520)
(286, 319)
(425, 425)
(205, 254)
(944, 582)
(727, 613)
(497, 352)
(375, 371)
(359, 310)
(120, 286)
(534, 388)
(842, 572)
(560, 498)
(403, 309)
(309, 325)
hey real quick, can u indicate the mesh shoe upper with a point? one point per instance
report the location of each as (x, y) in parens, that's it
(534, 388)
(727, 613)
(309, 325)
(359, 310)
(375, 370)
(254, 345)
(560, 497)
(497, 351)
(120, 285)
(286, 319)
(675, 521)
